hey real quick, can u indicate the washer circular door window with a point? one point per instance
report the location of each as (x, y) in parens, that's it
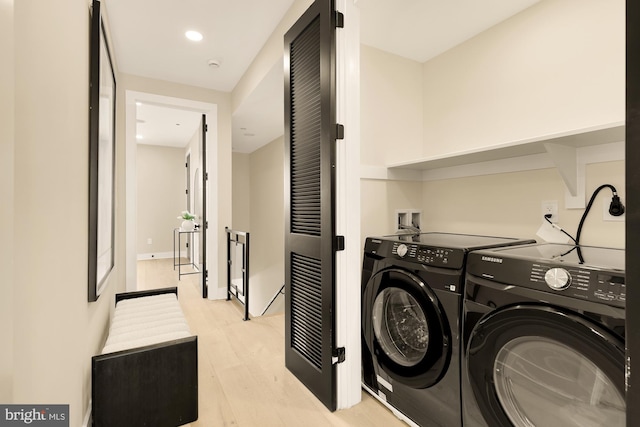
(411, 335)
(537, 366)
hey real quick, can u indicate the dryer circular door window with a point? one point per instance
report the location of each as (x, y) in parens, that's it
(538, 366)
(411, 336)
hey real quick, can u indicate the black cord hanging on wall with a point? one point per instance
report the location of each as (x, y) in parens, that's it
(616, 208)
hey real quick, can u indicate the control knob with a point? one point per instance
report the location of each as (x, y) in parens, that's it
(557, 278)
(402, 250)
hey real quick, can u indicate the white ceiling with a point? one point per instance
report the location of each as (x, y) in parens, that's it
(148, 40)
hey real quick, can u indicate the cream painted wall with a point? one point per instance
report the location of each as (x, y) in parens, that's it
(510, 204)
(56, 331)
(267, 224)
(557, 66)
(161, 197)
(7, 216)
(241, 191)
(379, 201)
(391, 107)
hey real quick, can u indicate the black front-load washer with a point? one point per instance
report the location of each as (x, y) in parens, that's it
(544, 329)
(411, 314)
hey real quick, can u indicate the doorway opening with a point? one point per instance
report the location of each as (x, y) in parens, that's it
(199, 110)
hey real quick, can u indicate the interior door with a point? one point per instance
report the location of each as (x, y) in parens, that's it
(202, 196)
(310, 241)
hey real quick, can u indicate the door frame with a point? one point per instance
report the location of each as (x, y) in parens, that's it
(130, 221)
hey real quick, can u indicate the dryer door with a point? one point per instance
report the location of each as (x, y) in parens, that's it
(411, 337)
(533, 365)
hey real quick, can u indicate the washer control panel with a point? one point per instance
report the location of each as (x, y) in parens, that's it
(439, 257)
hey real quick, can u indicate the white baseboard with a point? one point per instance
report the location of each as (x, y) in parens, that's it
(158, 255)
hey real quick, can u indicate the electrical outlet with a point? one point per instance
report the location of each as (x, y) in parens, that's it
(550, 207)
(606, 216)
(149, 241)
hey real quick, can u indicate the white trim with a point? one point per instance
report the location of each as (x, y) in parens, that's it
(211, 110)
(87, 416)
(348, 261)
(159, 255)
(384, 173)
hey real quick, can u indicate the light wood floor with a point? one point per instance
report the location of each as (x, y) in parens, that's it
(242, 378)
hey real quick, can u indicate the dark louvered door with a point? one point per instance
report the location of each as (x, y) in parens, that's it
(310, 132)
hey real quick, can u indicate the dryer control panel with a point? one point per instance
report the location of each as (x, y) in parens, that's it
(583, 280)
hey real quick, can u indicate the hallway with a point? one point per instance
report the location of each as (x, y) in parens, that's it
(242, 377)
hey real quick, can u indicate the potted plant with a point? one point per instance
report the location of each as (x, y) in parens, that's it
(187, 221)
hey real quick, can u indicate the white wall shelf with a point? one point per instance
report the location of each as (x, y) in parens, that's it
(597, 135)
(567, 151)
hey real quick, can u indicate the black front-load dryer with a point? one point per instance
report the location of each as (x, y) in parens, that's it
(411, 314)
(544, 329)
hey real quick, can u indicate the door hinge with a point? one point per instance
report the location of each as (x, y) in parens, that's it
(339, 246)
(206, 176)
(339, 131)
(206, 128)
(186, 191)
(338, 355)
(339, 19)
(206, 225)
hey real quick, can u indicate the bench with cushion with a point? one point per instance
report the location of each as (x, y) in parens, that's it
(147, 374)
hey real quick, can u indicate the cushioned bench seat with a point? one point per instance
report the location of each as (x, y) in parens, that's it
(144, 321)
(147, 374)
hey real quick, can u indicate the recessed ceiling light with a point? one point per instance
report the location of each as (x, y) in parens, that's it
(193, 35)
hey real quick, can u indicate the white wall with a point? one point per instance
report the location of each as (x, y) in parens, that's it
(241, 192)
(161, 178)
(391, 104)
(510, 204)
(271, 53)
(557, 66)
(379, 201)
(7, 206)
(55, 329)
(267, 224)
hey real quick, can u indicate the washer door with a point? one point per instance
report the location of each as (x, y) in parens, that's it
(532, 365)
(411, 338)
